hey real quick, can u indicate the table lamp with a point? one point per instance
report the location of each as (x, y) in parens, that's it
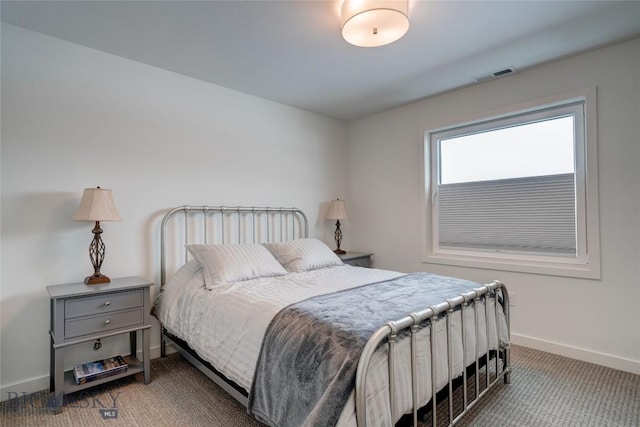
(97, 205)
(337, 211)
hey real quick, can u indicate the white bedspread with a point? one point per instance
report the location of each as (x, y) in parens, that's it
(226, 325)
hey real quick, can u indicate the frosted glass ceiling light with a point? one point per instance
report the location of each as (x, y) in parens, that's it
(371, 23)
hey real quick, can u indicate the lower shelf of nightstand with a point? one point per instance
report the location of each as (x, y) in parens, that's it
(134, 366)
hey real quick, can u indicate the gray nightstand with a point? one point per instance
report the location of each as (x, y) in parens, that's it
(357, 259)
(81, 313)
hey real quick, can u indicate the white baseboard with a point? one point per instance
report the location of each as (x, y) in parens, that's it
(36, 384)
(590, 356)
(24, 388)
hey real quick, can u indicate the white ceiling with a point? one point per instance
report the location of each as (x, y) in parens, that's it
(292, 51)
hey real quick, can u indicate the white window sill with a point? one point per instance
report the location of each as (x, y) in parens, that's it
(583, 271)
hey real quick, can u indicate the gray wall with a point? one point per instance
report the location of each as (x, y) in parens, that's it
(74, 117)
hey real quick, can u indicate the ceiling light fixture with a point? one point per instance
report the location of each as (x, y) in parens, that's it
(372, 23)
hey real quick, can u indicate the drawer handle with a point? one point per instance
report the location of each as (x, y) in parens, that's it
(106, 322)
(108, 303)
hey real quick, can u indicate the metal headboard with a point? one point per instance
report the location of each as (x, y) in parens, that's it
(223, 224)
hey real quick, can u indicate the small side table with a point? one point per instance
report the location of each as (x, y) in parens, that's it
(81, 313)
(357, 259)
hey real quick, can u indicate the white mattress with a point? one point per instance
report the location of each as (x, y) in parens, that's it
(225, 326)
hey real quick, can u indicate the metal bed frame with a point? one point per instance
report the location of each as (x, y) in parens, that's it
(268, 224)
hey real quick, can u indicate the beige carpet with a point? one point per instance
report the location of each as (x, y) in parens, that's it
(546, 390)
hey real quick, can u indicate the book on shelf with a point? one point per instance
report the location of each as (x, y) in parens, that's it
(99, 369)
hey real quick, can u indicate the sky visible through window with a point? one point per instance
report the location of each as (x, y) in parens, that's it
(532, 149)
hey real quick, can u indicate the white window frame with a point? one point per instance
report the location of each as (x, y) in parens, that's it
(587, 262)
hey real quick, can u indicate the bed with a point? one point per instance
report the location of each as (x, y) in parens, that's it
(300, 338)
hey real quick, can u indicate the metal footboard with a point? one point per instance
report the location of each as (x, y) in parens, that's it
(430, 316)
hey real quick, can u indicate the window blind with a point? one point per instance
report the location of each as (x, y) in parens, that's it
(532, 214)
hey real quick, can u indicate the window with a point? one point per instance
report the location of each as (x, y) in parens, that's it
(512, 192)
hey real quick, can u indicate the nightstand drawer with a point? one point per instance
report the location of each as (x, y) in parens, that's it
(76, 307)
(103, 323)
(357, 259)
(360, 262)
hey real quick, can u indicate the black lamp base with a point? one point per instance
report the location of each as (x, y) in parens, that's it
(96, 253)
(338, 237)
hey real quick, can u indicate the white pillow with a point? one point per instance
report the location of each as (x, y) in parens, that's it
(223, 264)
(303, 255)
(187, 276)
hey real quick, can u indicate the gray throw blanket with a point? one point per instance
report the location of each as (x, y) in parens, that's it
(307, 365)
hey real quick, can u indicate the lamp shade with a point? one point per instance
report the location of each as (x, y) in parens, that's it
(337, 210)
(97, 205)
(371, 23)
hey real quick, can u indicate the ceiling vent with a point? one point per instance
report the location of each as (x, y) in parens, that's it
(494, 74)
